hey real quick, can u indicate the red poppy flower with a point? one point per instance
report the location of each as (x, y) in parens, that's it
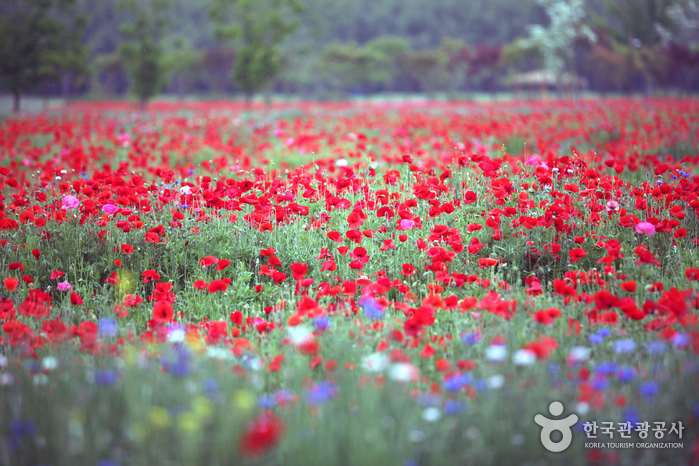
(127, 249)
(577, 254)
(217, 285)
(10, 283)
(162, 312)
(56, 274)
(260, 435)
(200, 285)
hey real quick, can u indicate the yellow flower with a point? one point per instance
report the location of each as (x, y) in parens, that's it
(159, 417)
(201, 407)
(187, 421)
(244, 399)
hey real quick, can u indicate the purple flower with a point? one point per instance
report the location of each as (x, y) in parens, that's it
(452, 407)
(680, 340)
(606, 368)
(626, 374)
(371, 308)
(107, 327)
(470, 338)
(648, 389)
(321, 323)
(600, 383)
(321, 392)
(624, 346)
(457, 382)
(596, 339)
(106, 378)
(266, 401)
(656, 347)
(178, 364)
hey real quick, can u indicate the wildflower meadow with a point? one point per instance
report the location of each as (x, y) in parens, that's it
(317, 284)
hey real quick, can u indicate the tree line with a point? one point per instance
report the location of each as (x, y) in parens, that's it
(334, 48)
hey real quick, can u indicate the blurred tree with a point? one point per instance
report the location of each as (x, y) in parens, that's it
(685, 16)
(386, 55)
(260, 27)
(637, 23)
(182, 63)
(217, 64)
(110, 76)
(37, 42)
(142, 51)
(345, 65)
(556, 41)
(428, 68)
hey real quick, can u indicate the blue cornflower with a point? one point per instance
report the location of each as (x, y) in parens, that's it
(107, 327)
(452, 407)
(631, 415)
(266, 401)
(480, 384)
(321, 323)
(680, 340)
(107, 463)
(626, 374)
(656, 347)
(596, 339)
(371, 308)
(321, 392)
(106, 378)
(190, 172)
(457, 382)
(649, 389)
(600, 383)
(606, 368)
(210, 386)
(554, 368)
(624, 346)
(604, 332)
(184, 206)
(427, 399)
(178, 364)
(470, 338)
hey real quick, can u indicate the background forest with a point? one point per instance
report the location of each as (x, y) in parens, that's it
(332, 49)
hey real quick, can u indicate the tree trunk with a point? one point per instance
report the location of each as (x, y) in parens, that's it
(15, 106)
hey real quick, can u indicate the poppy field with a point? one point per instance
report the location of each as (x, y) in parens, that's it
(341, 284)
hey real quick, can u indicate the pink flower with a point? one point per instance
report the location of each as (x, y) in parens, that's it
(645, 227)
(63, 286)
(407, 224)
(612, 205)
(70, 202)
(110, 209)
(533, 161)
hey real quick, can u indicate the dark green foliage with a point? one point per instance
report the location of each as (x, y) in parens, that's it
(36, 42)
(260, 27)
(142, 51)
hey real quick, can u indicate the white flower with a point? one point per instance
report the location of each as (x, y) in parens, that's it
(3, 361)
(402, 372)
(582, 408)
(496, 381)
(578, 354)
(6, 379)
(49, 363)
(185, 190)
(176, 335)
(524, 357)
(496, 352)
(341, 163)
(431, 414)
(376, 362)
(300, 334)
